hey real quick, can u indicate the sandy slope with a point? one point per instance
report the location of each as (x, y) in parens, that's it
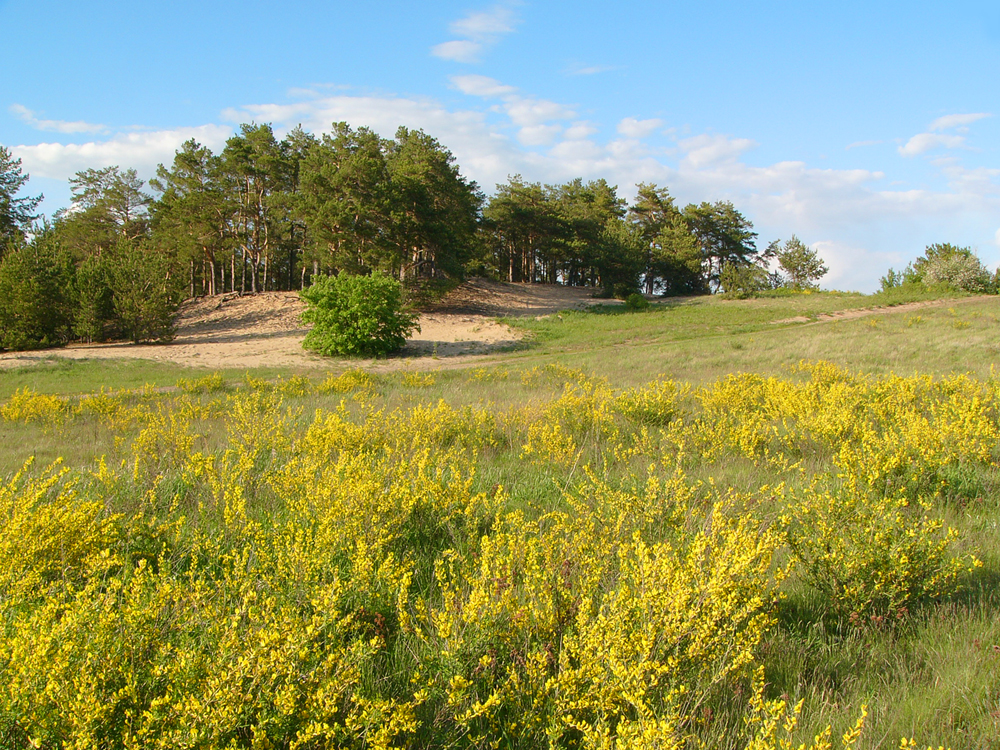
(229, 331)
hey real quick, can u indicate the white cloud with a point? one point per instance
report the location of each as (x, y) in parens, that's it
(579, 130)
(141, 151)
(706, 150)
(478, 31)
(476, 85)
(953, 121)
(459, 50)
(633, 128)
(57, 126)
(529, 111)
(921, 143)
(851, 267)
(538, 135)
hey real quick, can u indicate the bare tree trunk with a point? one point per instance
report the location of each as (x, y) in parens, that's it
(192, 277)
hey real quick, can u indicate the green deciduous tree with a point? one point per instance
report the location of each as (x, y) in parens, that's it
(356, 315)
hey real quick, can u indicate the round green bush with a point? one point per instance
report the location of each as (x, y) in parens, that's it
(356, 315)
(636, 302)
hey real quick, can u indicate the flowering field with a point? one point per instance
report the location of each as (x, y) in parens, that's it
(743, 564)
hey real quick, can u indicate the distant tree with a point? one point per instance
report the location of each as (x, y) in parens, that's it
(94, 312)
(725, 236)
(145, 290)
(107, 205)
(742, 281)
(16, 214)
(434, 210)
(666, 238)
(257, 171)
(36, 295)
(525, 226)
(944, 264)
(585, 211)
(194, 214)
(956, 267)
(802, 264)
(620, 258)
(344, 199)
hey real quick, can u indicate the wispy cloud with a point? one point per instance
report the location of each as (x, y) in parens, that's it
(954, 121)
(536, 118)
(477, 32)
(461, 50)
(55, 126)
(921, 143)
(476, 85)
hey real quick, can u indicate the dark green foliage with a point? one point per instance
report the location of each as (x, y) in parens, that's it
(36, 296)
(145, 292)
(738, 281)
(725, 236)
(95, 310)
(636, 302)
(356, 315)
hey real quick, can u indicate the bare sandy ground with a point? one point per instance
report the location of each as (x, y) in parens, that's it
(263, 330)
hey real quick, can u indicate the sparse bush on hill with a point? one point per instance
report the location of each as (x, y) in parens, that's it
(944, 266)
(356, 315)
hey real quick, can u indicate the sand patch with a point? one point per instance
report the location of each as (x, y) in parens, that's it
(230, 331)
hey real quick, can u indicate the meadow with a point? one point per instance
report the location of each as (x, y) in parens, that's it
(696, 526)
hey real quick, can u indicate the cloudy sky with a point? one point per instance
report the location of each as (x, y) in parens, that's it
(867, 129)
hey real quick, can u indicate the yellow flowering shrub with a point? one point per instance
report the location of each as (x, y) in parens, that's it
(29, 406)
(236, 575)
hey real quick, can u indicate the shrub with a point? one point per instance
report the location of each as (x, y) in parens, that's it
(959, 271)
(636, 302)
(356, 315)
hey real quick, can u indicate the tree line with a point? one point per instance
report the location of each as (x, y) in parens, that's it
(268, 214)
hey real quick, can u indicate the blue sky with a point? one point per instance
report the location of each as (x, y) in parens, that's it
(867, 129)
